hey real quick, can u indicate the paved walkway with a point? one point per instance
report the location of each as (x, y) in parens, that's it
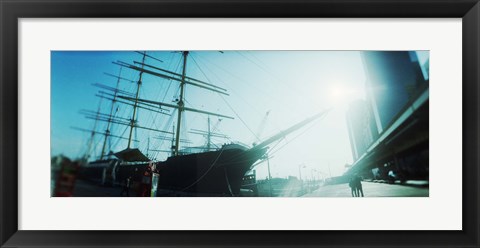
(88, 189)
(371, 190)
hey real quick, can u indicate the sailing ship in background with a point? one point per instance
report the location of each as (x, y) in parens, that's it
(208, 170)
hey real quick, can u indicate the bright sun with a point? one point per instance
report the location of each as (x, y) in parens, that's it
(342, 95)
(338, 94)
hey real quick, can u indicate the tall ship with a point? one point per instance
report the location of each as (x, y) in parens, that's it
(206, 170)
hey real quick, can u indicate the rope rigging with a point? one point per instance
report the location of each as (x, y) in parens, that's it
(206, 172)
(225, 101)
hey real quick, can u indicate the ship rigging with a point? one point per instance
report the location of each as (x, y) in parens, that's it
(199, 171)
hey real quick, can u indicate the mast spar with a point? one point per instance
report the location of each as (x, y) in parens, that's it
(92, 135)
(132, 122)
(289, 130)
(107, 132)
(183, 79)
(180, 102)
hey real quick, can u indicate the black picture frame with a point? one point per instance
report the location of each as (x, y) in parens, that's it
(11, 11)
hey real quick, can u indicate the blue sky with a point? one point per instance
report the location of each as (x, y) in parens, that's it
(291, 85)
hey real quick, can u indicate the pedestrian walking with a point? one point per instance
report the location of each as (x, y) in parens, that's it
(353, 188)
(358, 185)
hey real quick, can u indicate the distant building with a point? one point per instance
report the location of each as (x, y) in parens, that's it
(393, 79)
(359, 128)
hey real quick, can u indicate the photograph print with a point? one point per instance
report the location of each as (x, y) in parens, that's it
(239, 123)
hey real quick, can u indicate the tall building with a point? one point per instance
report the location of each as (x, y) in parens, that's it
(396, 111)
(359, 128)
(393, 79)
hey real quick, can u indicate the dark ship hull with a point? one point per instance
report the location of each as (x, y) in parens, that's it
(217, 173)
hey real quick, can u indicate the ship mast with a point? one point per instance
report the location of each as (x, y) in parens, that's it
(107, 131)
(116, 97)
(209, 136)
(132, 122)
(173, 141)
(90, 142)
(183, 79)
(180, 103)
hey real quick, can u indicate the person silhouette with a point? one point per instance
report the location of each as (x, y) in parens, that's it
(353, 188)
(357, 182)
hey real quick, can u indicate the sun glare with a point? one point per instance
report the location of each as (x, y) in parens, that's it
(338, 94)
(343, 95)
